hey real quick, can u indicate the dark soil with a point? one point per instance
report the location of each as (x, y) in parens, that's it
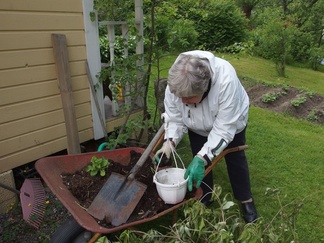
(85, 188)
(312, 109)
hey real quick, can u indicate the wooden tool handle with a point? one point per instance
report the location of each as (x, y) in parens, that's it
(146, 153)
(222, 154)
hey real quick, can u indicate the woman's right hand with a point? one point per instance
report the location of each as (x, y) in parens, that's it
(165, 150)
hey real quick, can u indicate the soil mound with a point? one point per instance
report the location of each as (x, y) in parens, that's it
(301, 104)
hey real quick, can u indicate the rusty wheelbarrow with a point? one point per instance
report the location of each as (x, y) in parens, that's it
(51, 169)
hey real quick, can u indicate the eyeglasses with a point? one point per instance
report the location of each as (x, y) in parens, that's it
(191, 99)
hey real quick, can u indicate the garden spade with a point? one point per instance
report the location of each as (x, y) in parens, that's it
(120, 194)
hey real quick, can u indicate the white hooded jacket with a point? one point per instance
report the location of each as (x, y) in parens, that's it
(219, 116)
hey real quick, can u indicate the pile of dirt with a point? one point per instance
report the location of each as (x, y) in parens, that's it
(301, 104)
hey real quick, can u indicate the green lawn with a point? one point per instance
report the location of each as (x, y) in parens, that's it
(264, 71)
(284, 153)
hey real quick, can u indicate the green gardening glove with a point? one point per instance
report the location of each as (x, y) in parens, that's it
(195, 171)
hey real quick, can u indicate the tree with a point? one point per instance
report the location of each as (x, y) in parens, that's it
(247, 6)
(302, 29)
(218, 23)
(273, 37)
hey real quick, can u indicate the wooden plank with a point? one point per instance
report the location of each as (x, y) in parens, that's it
(11, 40)
(35, 57)
(38, 151)
(26, 75)
(32, 139)
(22, 157)
(27, 92)
(23, 21)
(39, 90)
(19, 76)
(78, 68)
(39, 106)
(42, 5)
(40, 136)
(81, 96)
(29, 108)
(41, 121)
(63, 72)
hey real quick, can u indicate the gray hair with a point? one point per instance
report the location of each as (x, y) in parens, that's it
(189, 76)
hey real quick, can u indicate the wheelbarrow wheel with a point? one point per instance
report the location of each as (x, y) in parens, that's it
(84, 237)
(67, 232)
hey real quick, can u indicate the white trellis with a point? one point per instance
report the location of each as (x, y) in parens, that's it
(111, 25)
(93, 56)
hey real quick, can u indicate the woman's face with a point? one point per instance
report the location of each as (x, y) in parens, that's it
(191, 100)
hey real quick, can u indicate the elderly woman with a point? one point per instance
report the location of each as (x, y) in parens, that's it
(205, 97)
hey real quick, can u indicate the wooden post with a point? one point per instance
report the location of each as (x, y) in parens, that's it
(64, 78)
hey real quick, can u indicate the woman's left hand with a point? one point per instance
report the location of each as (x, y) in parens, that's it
(195, 171)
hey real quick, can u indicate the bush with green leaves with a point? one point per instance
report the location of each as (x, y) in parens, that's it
(172, 31)
(238, 47)
(97, 165)
(222, 25)
(272, 38)
(316, 54)
(222, 222)
(119, 45)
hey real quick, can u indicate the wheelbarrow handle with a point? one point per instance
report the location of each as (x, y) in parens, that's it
(158, 143)
(222, 154)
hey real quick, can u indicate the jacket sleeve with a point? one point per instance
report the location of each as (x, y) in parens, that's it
(175, 128)
(225, 124)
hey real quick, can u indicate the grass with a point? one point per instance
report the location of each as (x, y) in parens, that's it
(265, 71)
(284, 153)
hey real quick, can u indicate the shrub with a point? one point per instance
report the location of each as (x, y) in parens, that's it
(222, 25)
(173, 31)
(222, 222)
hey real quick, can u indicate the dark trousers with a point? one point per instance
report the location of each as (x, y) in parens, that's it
(237, 167)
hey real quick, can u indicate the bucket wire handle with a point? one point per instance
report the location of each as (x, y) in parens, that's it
(175, 155)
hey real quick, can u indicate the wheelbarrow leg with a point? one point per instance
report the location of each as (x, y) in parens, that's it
(174, 216)
(94, 238)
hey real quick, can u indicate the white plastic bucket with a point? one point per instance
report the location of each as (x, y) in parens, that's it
(171, 185)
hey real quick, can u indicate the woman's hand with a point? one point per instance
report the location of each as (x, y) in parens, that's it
(195, 172)
(165, 150)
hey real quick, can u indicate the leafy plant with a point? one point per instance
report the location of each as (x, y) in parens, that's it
(222, 25)
(298, 101)
(98, 165)
(267, 98)
(131, 131)
(223, 223)
(313, 116)
(308, 92)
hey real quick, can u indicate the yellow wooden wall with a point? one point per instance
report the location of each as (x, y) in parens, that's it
(31, 116)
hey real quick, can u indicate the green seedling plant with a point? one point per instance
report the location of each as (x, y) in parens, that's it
(298, 101)
(308, 92)
(98, 165)
(267, 98)
(313, 116)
